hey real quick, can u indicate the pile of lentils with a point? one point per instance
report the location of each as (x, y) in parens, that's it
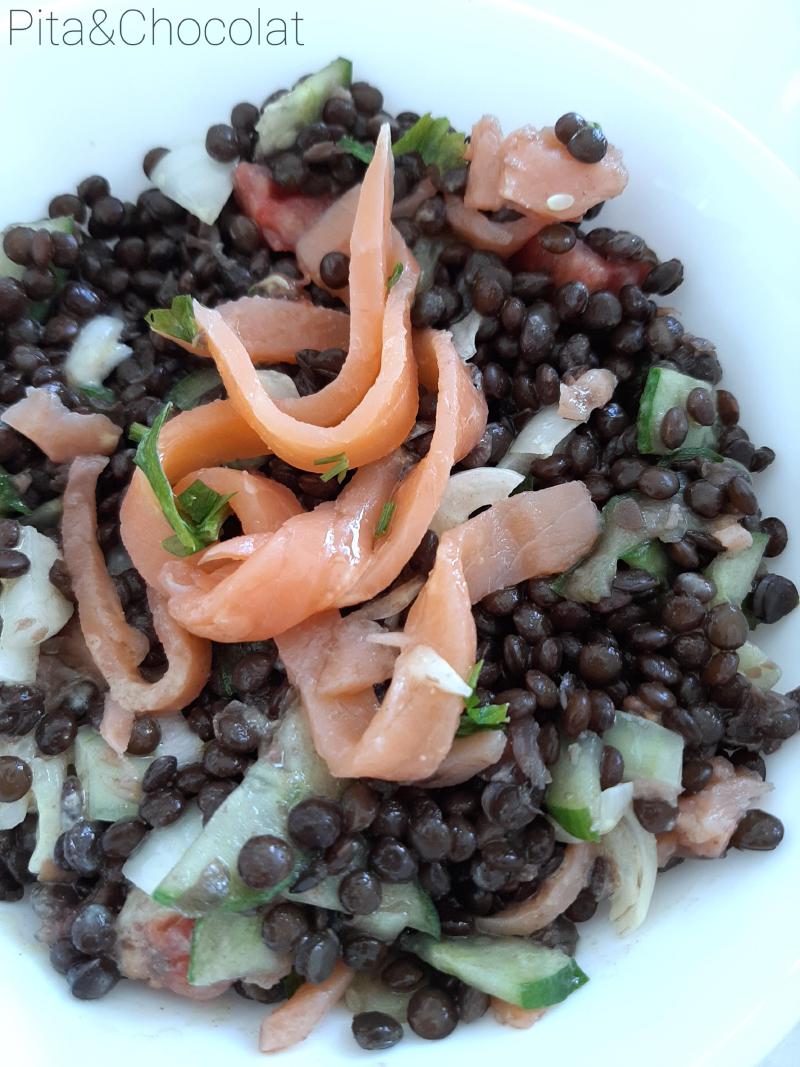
(563, 667)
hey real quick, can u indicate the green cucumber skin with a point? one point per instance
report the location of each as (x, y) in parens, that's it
(281, 120)
(733, 575)
(666, 388)
(649, 556)
(504, 967)
(573, 796)
(576, 821)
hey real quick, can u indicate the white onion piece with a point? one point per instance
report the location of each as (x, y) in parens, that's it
(395, 601)
(12, 814)
(277, 384)
(96, 352)
(394, 639)
(426, 665)
(31, 607)
(614, 802)
(464, 333)
(539, 438)
(189, 176)
(178, 740)
(160, 850)
(633, 855)
(467, 491)
(18, 666)
(48, 781)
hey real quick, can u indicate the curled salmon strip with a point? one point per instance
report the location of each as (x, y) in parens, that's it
(502, 238)
(379, 418)
(203, 437)
(554, 897)
(60, 433)
(336, 541)
(294, 1020)
(540, 176)
(116, 647)
(528, 535)
(486, 165)
(272, 329)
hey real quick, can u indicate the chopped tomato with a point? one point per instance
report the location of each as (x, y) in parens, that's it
(283, 217)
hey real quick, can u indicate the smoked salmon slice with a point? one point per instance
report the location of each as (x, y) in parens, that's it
(378, 378)
(273, 330)
(486, 165)
(582, 264)
(336, 541)
(60, 433)
(115, 646)
(528, 535)
(502, 238)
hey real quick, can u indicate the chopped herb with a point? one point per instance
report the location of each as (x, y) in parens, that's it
(364, 152)
(435, 141)
(9, 497)
(385, 520)
(394, 277)
(477, 716)
(136, 431)
(177, 321)
(338, 470)
(197, 514)
(432, 138)
(189, 391)
(98, 392)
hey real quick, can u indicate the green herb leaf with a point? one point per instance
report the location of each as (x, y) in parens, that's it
(477, 716)
(432, 138)
(98, 392)
(9, 497)
(435, 142)
(136, 431)
(394, 277)
(338, 469)
(364, 152)
(177, 321)
(197, 514)
(385, 520)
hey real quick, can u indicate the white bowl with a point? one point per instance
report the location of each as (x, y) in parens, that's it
(713, 977)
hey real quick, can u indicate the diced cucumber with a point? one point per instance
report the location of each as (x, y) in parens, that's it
(649, 751)
(9, 269)
(665, 389)
(630, 525)
(573, 796)
(648, 556)
(205, 876)
(369, 994)
(112, 784)
(228, 946)
(48, 781)
(733, 573)
(283, 119)
(156, 855)
(516, 970)
(403, 905)
(757, 667)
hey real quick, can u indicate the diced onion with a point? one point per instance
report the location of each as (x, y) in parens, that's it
(277, 384)
(189, 176)
(467, 491)
(614, 802)
(633, 855)
(539, 438)
(393, 602)
(426, 665)
(31, 608)
(96, 351)
(393, 639)
(464, 333)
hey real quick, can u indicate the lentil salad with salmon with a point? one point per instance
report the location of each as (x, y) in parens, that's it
(379, 566)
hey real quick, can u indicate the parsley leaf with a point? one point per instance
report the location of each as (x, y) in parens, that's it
(177, 321)
(99, 393)
(338, 470)
(394, 277)
(10, 499)
(432, 138)
(385, 520)
(197, 514)
(477, 717)
(364, 152)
